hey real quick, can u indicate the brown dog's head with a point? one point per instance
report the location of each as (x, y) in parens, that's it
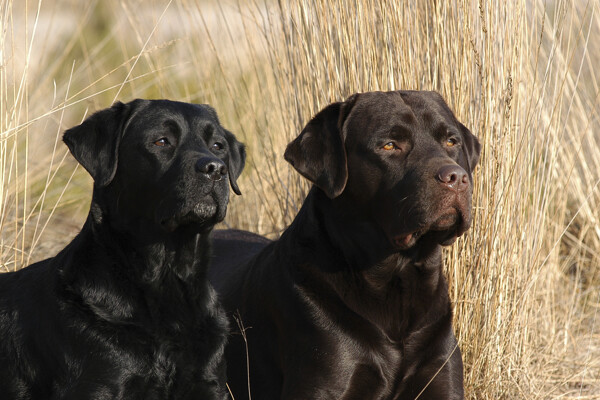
(401, 157)
(159, 163)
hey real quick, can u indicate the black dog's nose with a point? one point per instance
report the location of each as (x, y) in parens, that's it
(213, 168)
(453, 177)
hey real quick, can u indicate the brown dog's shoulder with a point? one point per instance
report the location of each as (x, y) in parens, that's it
(239, 235)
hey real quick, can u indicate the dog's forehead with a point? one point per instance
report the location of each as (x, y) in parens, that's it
(154, 113)
(428, 107)
(376, 111)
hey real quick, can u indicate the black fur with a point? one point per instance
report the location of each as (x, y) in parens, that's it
(351, 301)
(125, 310)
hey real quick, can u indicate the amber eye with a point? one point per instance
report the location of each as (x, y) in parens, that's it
(162, 142)
(451, 142)
(389, 146)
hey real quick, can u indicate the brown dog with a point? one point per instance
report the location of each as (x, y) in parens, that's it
(351, 302)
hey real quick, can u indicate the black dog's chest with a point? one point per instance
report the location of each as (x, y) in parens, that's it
(163, 350)
(153, 364)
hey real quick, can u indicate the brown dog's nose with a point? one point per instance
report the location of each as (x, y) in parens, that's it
(213, 168)
(453, 177)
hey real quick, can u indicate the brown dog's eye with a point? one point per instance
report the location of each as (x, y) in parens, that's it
(162, 142)
(390, 146)
(451, 142)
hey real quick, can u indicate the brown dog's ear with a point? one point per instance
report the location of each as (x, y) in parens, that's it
(95, 142)
(319, 153)
(236, 160)
(471, 147)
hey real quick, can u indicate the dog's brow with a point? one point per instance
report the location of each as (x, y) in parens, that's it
(172, 125)
(427, 118)
(441, 131)
(209, 130)
(400, 132)
(408, 117)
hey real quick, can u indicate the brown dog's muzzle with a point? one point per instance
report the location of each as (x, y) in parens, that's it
(439, 207)
(453, 213)
(454, 177)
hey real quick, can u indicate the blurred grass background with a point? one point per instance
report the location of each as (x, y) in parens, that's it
(521, 74)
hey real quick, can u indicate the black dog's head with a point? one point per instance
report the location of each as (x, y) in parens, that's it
(159, 163)
(400, 157)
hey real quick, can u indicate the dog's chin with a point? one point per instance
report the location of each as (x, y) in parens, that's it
(201, 217)
(443, 231)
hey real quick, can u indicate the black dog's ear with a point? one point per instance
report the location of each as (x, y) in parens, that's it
(319, 153)
(95, 142)
(236, 161)
(471, 146)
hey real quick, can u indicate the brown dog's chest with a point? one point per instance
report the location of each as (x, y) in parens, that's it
(363, 346)
(337, 366)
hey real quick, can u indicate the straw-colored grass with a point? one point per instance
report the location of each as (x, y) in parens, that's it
(522, 75)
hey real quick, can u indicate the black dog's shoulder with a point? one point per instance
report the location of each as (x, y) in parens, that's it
(76, 319)
(23, 292)
(28, 329)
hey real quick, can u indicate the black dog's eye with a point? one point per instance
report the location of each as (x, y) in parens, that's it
(217, 146)
(162, 142)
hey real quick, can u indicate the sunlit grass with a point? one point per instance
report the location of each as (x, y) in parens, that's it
(522, 75)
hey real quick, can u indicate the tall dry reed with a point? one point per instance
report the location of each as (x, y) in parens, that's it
(522, 75)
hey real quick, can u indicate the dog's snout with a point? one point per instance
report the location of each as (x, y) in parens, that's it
(454, 177)
(213, 168)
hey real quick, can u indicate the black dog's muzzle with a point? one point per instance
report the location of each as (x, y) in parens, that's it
(214, 168)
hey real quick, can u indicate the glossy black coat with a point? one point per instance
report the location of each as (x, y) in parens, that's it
(125, 311)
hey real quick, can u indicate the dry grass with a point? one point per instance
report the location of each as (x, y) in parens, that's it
(521, 74)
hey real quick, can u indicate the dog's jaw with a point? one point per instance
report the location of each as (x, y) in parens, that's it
(205, 213)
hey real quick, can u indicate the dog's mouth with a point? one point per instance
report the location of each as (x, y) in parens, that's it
(204, 213)
(444, 230)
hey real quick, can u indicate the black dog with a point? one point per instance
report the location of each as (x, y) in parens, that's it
(125, 310)
(351, 302)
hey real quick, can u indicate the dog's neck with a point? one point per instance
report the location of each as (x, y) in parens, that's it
(355, 237)
(356, 263)
(151, 251)
(148, 276)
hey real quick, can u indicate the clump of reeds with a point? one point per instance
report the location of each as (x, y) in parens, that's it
(525, 280)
